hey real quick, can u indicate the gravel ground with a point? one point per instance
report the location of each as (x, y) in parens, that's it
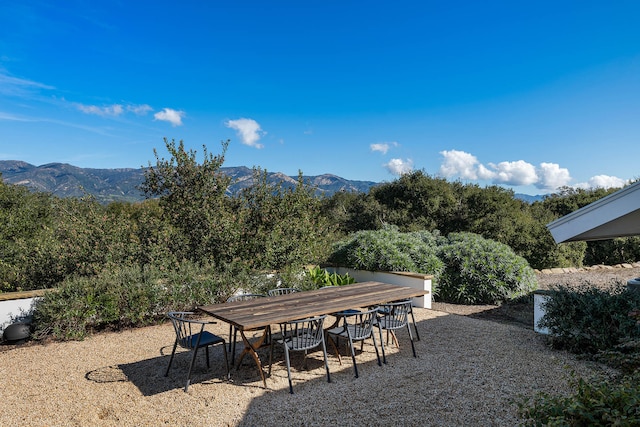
(469, 370)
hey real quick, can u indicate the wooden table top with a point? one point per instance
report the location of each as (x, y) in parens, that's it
(260, 312)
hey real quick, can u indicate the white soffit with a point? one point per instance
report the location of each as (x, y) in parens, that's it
(616, 215)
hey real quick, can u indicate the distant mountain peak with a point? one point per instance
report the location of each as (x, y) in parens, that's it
(108, 185)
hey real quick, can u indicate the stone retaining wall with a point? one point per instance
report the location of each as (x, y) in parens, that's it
(561, 270)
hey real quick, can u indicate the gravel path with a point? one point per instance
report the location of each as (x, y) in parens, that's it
(467, 373)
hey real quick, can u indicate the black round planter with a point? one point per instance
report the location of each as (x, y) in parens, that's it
(16, 332)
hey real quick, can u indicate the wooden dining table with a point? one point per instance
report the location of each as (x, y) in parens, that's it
(261, 313)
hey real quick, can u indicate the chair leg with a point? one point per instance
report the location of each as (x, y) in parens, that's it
(415, 326)
(326, 362)
(353, 357)
(230, 336)
(375, 346)
(175, 345)
(193, 359)
(206, 349)
(413, 347)
(286, 357)
(384, 356)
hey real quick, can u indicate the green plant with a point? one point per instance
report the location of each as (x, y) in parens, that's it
(597, 402)
(482, 271)
(389, 250)
(588, 319)
(130, 297)
(321, 277)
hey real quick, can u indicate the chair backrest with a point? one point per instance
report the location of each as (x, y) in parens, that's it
(281, 291)
(394, 315)
(304, 334)
(187, 330)
(360, 325)
(244, 297)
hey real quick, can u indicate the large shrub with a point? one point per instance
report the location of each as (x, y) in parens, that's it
(587, 319)
(481, 271)
(130, 297)
(389, 250)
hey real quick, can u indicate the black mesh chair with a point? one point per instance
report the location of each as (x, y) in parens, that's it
(233, 332)
(355, 327)
(394, 316)
(301, 335)
(190, 334)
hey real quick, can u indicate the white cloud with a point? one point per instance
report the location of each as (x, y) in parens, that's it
(15, 86)
(109, 111)
(248, 130)
(603, 181)
(13, 118)
(115, 110)
(484, 173)
(140, 110)
(399, 166)
(383, 147)
(460, 164)
(169, 115)
(514, 173)
(552, 176)
(547, 176)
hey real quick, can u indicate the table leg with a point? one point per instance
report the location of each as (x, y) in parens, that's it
(250, 348)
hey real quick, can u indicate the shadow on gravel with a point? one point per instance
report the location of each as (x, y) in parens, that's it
(513, 313)
(148, 375)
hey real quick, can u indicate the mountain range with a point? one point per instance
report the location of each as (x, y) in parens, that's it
(109, 185)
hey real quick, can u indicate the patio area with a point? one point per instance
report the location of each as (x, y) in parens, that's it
(467, 373)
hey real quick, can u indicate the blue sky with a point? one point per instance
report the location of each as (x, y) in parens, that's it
(527, 95)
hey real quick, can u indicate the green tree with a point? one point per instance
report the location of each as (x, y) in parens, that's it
(416, 201)
(192, 198)
(350, 212)
(282, 226)
(26, 224)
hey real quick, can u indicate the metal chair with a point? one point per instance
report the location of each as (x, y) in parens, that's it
(302, 335)
(413, 319)
(190, 334)
(355, 327)
(281, 291)
(394, 316)
(233, 332)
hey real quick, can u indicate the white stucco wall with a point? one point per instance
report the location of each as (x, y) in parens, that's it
(417, 281)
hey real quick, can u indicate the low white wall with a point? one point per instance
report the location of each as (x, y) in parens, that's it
(413, 280)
